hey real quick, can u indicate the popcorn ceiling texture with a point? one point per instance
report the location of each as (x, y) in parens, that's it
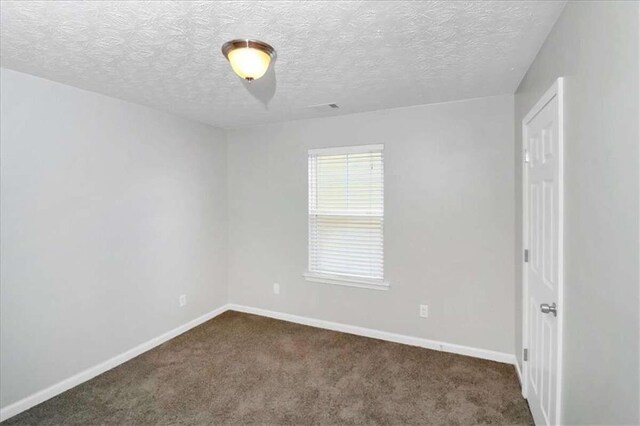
(362, 55)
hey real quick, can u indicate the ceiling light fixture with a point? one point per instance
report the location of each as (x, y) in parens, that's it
(249, 59)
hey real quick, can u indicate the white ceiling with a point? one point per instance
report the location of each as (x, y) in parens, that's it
(362, 55)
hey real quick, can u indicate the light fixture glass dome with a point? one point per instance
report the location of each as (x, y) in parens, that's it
(250, 59)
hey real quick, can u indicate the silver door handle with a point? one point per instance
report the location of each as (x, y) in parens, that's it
(546, 308)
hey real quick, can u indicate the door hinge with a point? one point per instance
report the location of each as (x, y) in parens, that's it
(526, 255)
(526, 156)
(525, 355)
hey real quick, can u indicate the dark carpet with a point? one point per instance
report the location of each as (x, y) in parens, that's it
(246, 369)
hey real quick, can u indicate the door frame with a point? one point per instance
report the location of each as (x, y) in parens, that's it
(555, 91)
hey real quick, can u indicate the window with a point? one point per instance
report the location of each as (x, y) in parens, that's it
(346, 215)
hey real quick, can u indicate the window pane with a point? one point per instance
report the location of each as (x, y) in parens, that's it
(346, 208)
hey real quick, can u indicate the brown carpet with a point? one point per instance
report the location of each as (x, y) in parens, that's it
(244, 369)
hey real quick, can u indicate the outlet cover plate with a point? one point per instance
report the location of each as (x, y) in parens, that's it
(424, 311)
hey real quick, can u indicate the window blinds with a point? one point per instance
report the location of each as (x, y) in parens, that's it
(346, 212)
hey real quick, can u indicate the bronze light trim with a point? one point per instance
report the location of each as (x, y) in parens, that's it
(254, 44)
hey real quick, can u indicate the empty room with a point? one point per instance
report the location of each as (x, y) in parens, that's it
(320, 212)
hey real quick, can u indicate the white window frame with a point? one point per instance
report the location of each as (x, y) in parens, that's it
(345, 280)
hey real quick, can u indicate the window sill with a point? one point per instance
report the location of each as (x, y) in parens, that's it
(346, 281)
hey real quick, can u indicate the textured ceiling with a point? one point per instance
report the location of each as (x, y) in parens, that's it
(362, 55)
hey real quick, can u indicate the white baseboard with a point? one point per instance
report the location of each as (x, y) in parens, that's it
(382, 335)
(519, 372)
(520, 379)
(66, 384)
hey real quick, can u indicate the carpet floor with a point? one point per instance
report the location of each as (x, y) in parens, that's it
(246, 369)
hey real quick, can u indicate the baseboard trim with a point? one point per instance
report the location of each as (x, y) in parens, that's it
(518, 372)
(520, 378)
(66, 384)
(382, 335)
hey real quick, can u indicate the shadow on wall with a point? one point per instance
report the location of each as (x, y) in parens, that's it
(264, 88)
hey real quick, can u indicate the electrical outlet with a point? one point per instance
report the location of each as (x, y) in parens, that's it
(424, 311)
(182, 300)
(276, 288)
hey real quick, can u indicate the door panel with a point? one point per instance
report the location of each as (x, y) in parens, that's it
(542, 273)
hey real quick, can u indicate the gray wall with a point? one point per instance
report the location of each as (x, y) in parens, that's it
(110, 211)
(449, 227)
(595, 46)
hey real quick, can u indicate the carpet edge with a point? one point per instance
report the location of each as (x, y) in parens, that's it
(487, 354)
(41, 396)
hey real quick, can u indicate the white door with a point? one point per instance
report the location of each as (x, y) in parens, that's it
(542, 138)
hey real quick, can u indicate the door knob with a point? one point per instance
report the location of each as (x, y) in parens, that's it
(546, 308)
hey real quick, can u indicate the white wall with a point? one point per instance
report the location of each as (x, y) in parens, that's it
(449, 227)
(595, 46)
(110, 211)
